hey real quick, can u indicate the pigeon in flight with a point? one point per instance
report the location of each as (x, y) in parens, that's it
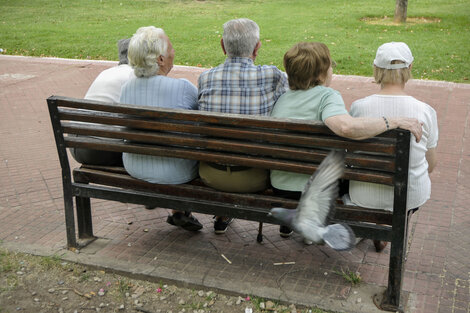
(317, 204)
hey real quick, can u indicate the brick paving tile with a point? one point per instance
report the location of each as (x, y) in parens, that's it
(31, 205)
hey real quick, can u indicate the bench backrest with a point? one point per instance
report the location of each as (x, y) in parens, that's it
(255, 141)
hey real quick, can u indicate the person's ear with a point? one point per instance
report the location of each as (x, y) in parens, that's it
(222, 45)
(160, 60)
(255, 51)
(411, 66)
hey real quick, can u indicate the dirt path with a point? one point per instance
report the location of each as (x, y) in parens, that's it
(47, 284)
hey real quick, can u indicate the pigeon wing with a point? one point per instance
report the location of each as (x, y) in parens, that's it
(321, 191)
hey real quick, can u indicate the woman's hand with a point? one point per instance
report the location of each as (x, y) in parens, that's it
(411, 124)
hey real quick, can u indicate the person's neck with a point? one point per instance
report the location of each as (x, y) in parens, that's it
(392, 89)
(162, 72)
(253, 58)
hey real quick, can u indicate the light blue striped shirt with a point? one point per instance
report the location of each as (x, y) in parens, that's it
(164, 92)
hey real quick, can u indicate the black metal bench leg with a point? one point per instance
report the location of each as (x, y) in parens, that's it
(391, 300)
(69, 221)
(259, 238)
(84, 220)
(392, 297)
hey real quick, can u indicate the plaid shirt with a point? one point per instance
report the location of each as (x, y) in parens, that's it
(238, 86)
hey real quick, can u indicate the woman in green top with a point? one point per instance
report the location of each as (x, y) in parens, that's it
(310, 70)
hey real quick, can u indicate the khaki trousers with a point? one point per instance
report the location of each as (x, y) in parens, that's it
(249, 180)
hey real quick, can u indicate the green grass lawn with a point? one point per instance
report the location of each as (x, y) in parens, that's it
(90, 28)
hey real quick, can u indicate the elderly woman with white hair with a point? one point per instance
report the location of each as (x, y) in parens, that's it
(151, 56)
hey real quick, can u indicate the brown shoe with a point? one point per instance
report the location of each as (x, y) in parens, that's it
(380, 245)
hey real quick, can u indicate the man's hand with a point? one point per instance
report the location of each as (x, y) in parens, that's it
(411, 124)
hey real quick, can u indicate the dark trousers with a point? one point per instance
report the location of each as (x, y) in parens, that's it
(96, 157)
(294, 195)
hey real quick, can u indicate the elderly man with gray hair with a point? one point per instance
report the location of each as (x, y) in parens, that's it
(238, 86)
(151, 56)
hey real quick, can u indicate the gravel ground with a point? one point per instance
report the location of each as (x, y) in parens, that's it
(47, 284)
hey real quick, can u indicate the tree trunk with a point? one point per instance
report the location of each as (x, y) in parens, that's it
(400, 11)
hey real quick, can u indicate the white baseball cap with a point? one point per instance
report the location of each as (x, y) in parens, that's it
(393, 51)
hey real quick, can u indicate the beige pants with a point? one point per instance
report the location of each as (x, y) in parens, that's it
(250, 180)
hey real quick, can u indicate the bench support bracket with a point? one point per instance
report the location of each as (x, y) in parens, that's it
(84, 219)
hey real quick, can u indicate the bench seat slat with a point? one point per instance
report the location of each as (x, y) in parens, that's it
(263, 200)
(366, 230)
(171, 202)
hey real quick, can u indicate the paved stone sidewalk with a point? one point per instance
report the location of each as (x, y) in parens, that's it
(139, 242)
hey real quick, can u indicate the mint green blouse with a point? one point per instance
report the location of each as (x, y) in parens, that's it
(317, 103)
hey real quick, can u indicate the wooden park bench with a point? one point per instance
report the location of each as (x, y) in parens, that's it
(253, 141)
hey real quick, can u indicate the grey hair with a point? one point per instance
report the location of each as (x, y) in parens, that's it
(240, 37)
(123, 45)
(147, 44)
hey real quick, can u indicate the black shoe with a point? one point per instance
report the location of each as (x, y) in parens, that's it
(285, 231)
(185, 221)
(220, 226)
(149, 207)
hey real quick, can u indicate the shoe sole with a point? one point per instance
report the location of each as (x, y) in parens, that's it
(191, 227)
(285, 235)
(219, 232)
(222, 231)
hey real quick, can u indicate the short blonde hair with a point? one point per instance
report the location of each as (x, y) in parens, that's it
(307, 65)
(398, 76)
(147, 44)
